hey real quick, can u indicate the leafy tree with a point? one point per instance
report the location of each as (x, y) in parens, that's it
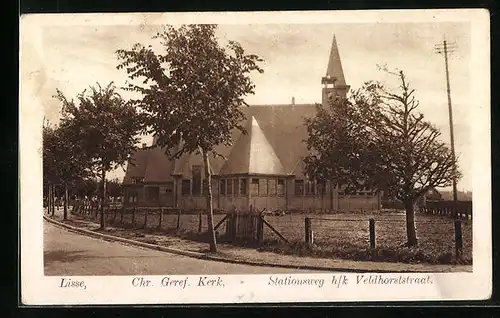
(192, 93)
(87, 188)
(63, 161)
(106, 128)
(378, 139)
(114, 188)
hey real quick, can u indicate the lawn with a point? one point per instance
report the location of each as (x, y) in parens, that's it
(344, 235)
(348, 232)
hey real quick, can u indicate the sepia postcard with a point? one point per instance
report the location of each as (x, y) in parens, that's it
(255, 157)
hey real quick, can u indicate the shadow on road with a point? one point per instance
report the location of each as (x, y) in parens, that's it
(63, 256)
(74, 256)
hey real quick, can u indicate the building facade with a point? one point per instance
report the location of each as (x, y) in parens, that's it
(263, 169)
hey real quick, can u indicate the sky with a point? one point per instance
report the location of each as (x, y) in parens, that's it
(295, 58)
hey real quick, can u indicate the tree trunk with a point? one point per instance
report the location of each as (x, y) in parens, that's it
(410, 223)
(208, 182)
(65, 213)
(48, 199)
(103, 197)
(52, 199)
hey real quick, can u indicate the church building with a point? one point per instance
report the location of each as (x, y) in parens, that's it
(263, 169)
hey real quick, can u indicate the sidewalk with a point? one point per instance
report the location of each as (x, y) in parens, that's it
(236, 254)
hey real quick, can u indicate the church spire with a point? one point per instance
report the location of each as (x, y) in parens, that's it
(334, 83)
(334, 69)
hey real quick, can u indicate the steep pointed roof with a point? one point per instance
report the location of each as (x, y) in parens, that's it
(334, 69)
(253, 154)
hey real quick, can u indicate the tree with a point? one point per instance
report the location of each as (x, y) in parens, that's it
(50, 173)
(378, 139)
(88, 188)
(114, 188)
(105, 126)
(63, 161)
(192, 93)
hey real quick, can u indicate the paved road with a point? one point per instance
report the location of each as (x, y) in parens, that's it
(68, 253)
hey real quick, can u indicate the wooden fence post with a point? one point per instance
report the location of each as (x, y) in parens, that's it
(145, 218)
(231, 226)
(458, 238)
(260, 229)
(114, 214)
(160, 219)
(122, 211)
(372, 233)
(133, 217)
(228, 226)
(199, 223)
(308, 231)
(178, 219)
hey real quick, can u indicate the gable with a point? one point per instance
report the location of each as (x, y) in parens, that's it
(252, 154)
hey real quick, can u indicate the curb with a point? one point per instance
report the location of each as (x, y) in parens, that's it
(202, 256)
(123, 240)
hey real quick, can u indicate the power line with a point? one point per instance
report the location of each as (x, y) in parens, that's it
(446, 48)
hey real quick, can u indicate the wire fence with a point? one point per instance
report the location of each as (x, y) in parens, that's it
(158, 219)
(434, 234)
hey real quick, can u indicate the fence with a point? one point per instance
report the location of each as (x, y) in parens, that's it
(445, 208)
(342, 230)
(158, 218)
(434, 234)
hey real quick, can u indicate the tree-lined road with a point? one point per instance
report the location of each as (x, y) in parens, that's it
(68, 253)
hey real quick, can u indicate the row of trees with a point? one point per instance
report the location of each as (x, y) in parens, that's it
(191, 95)
(96, 134)
(85, 188)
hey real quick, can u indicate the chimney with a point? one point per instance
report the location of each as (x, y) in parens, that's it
(293, 100)
(144, 145)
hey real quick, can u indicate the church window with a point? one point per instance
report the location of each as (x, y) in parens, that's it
(299, 187)
(263, 187)
(186, 187)
(271, 186)
(254, 188)
(281, 187)
(243, 186)
(196, 180)
(222, 187)
(236, 186)
(310, 187)
(229, 187)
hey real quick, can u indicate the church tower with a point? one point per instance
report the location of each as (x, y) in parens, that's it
(334, 82)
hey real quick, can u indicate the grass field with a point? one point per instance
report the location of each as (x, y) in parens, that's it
(344, 235)
(348, 234)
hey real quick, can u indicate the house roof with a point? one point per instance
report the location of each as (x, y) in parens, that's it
(159, 168)
(136, 168)
(273, 145)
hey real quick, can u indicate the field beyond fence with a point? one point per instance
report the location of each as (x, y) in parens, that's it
(342, 235)
(346, 234)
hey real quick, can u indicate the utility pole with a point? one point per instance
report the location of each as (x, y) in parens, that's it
(445, 48)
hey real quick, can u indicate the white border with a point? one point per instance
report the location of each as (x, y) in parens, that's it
(37, 289)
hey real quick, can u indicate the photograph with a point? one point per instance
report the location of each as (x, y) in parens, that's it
(258, 157)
